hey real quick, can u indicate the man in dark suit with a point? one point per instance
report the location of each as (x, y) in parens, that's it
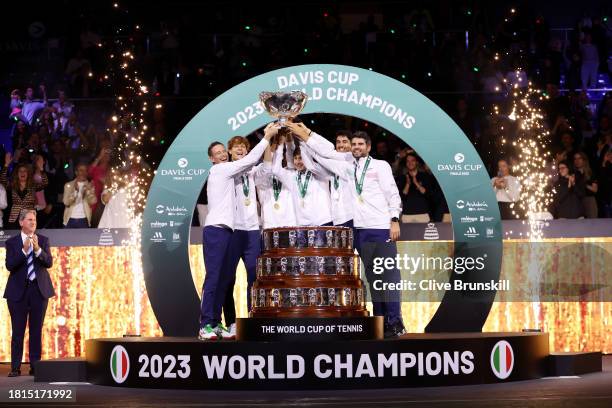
(28, 288)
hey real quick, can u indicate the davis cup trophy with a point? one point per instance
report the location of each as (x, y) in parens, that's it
(283, 105)
(306, 276)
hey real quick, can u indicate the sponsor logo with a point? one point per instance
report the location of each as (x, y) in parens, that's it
(490, 232)
(485, 219)
(474, 206)
(177, 211)
(431, 232)
(175, 223)
(106, 238)
(468, 219)
(471, 232)
(158, 237)
(502, 359)
(3, 236)
(176, 237)
(182, 172)
(459, 168)
(158, 224)
(119, 364)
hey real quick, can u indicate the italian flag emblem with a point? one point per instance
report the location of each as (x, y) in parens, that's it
(502, 359)
(119, 364)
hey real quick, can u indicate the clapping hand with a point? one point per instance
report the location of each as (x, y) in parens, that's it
(34, 239)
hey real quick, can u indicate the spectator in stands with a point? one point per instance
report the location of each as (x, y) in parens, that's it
(20, 136)
(590, 63)
(22, 188)
(62, 109)
(3, 204)
(507, 191)
(79, 196)
(31, 107)
(115, 200)
(414, 189)
(582, 166)
(77, 70)
(605, 192)
(569, 192)
(16, 105)
(568, 149)
(97, 174)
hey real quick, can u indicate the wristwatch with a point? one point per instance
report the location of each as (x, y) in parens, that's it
(394, 219)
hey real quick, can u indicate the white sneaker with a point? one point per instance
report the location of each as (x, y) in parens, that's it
(208, 333)
(232, 330)
(223, 333)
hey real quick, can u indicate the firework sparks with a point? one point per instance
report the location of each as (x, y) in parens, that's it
(129, 175)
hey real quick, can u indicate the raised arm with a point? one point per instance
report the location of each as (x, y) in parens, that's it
(284, 175)
(316, 169)
(338, 168)
(230, 169)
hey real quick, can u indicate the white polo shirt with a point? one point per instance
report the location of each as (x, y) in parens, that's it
(221, 187)
(315, 207)
(380, 198)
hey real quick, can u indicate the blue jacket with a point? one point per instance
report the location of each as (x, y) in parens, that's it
(18, 271)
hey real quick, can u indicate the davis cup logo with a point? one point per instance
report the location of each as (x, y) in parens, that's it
(459, 158)
(119, 364)
(182, 162)
(502, 359)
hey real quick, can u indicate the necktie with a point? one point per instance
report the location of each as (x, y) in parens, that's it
(30, 263)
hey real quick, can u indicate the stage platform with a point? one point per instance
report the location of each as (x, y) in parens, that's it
(588, 390)
(414, 360)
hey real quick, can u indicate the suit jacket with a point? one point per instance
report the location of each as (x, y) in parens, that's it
(16, 263)
(70, 199)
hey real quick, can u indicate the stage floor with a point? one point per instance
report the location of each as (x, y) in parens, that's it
(589, 390)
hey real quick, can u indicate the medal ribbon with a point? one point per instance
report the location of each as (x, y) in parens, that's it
(359, 185)
(245, 185)
(277, 186)
(303, 187)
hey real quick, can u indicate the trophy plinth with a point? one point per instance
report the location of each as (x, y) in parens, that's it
(308, 272)
(308, 289)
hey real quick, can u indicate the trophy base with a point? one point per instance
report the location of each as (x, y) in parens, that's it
(310, 328)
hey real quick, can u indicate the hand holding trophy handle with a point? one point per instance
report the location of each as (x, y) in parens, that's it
(283, 105)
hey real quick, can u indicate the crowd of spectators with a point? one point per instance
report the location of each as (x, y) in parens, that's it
(59, 166)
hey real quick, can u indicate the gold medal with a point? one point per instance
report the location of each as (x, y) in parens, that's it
(247, 201)
(302, 203)
(360, 199)
(276, 206)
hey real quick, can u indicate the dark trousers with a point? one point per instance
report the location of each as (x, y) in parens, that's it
(372, 243)
(77, 223)
(349, 224)
(245, 245)
(216, 242)
(30, 308)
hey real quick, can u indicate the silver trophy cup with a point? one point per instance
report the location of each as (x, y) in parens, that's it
(283, 105)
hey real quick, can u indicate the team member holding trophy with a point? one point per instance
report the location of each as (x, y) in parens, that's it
(218, 228)
(341, 186)
(275, 198)
(245, 241)
(308, 188)
(376, 209)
